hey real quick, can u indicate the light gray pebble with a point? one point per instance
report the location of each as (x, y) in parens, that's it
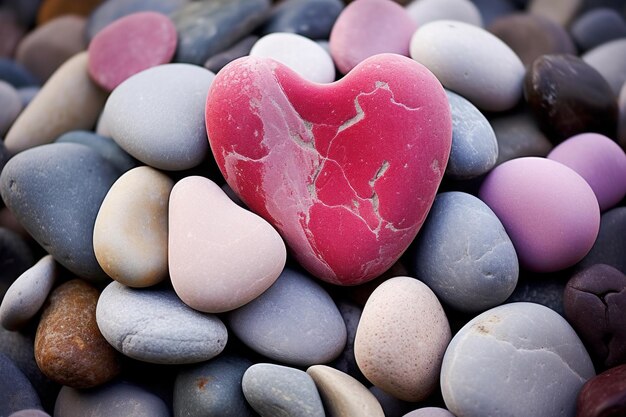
(596, 27)
(609, 59)
(106, 147)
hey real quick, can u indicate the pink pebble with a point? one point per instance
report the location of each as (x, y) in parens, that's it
(600, 161)
(129, 45)
(549, 211)
(370, 27)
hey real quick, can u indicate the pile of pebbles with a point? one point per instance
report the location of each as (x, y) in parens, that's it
(313, 208)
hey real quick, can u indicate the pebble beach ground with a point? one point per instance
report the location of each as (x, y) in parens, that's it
(310, 208)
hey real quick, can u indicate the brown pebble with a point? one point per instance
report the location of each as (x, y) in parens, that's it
(69, 348)
(50, 9)
(604, 395)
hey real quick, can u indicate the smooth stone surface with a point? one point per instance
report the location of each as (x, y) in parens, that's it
(130, 233)
(68, 101)
(561, 12)
(474, 148)
(354, 39)
(604, 395)
(544, 289)
(238, 50)
(294, 322)
(27, 94)
(609, 59)
(301, 54)
(429, 412)
(281, 391)
(531, 35)
(130, 401)
(346, 362)
(567, 97)
(27, 294)
(549, 211)
(16, 391)
(212, 388)
(346, 206)
(470, 264)
(15, 74)
(153, 325)
(228, 20)
(30, 413)
(69, 348)
(597, 26)
(594, 301)
(426, 11)
(600, 161)
(461, 56)
(105, 146)
(130, 45)
(10, 106)
(342, 395)
(311, 18)
(518, 135)
(47, 47)
(166, 128)
(610, 246)
(16, 257)
(401, 338)
(40, 187)
(532, 364)
(221, 256)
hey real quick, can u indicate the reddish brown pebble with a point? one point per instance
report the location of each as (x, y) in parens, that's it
(604, 395)
(50, 9)
(69, 348)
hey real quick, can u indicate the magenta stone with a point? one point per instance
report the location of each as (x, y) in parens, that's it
(369, 27)
(600, 161)
(549, 211)
(129, 45)
(345, 171)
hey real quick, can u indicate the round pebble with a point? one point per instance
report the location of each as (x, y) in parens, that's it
(301, 54)
(106, 147)
(610, 246)
(354, 38)
(464, 254)
(281, 391)
(221, 256)
(401, 339)
(311, 18)
(429, 412)
(597, 26)
(150, 129)
(16, 391)
(129, 45)
(609, 59)
(604, 395)
(462, 55)
(549, 211)
(153, 325)
(10, 106)
(521, 359)
(294, 322)
(600, 161)
(518, 135)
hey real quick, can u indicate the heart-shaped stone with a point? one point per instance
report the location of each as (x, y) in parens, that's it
(345, 171)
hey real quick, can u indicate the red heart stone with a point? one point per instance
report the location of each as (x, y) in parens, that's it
(346, 171)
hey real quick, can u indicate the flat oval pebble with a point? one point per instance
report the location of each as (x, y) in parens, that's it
(301, 54)
(600, 161)
(40, 187)
(604, 395)
(27, 294)
(47, 47)
(16, 391)
(10, 106)
(153, 325)
(609, 59)
(401, 339)
(129, 400)
(429, 412)
(426, 11)
(549, 211)
(129, 45)
(342, 395)
(474, 148)
(311, 18)
(610, 246)
(221, 256)
(212, 388)
(518, 135)
(68, 101)
(519, 359)
(354, 38)
(294, 322)
(228, 20)
(561, 12)
(69, 347)
(105, 146)
(130, 233)
(567, 97)
(597, 26)
(461, 56)
(281, 391)
(594, 301)
(464, 254)
(151, 129)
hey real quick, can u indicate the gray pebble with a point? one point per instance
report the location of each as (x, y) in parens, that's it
(281, 391)
(238, 50)
(212, 389)
(610, 245)
(294, 322)
(106, 147)
(474, 146)
(392, 406)
(430, 412)
(15, 258)
(518, 135)
(15, 74)
(153, 325)
(540, 289)
(596, 27)
(621, 129)
(346, 362)
(10, 106)
(609, 59)
(31, 412)
(27, 94)
(16, 391)
(311, 18)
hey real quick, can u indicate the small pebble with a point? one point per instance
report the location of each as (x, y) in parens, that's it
(518, 135)
(16, 391)
(105, 146)
(597, 26)
(311, 18)
(426, 11)
(610, 246)
(604, 395)
(10, 106)
(609, 59)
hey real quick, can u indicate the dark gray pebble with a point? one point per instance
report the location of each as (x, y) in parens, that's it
(16, 391)
(610, 245)
(311, 18)
(15, 258)
(238, 50)
(15, 74)
(596, 27)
